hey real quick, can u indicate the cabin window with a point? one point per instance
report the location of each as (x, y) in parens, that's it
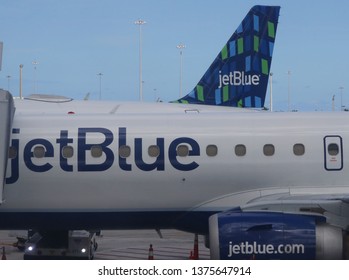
(269, 150)
(211, 150)
(96, 151)
(39, 151)
(333, 149)
(154, 151)
(67, 152)
(124, 151)
(12, 152)
(298, 149)
(240, 150)
(182, 151)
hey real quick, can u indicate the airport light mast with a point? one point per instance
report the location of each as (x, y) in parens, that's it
(100, 85)
(140, 22)
(1, 48)
(8, 82)
(289, 90)
(20, 81)
(35, 63)
(180, 47)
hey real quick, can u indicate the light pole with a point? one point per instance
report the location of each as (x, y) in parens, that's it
(140, 23)
(155, 96)
(8, 82)
(1, 47)
(35, 63)
(180, 47)
(100, 85)
(289, 90)
(20, 81)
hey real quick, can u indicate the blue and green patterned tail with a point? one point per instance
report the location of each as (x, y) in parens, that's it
(238, 77)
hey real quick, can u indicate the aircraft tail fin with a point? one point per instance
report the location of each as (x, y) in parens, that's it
(238, 77)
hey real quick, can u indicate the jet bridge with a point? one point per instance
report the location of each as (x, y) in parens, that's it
(7, 111)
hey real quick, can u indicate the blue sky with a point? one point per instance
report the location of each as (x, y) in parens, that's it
(75, 40)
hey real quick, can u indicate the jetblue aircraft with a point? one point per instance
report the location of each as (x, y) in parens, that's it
(258, 185)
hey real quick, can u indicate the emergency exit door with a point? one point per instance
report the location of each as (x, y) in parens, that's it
(333, 149)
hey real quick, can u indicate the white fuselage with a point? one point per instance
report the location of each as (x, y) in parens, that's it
(225, 165)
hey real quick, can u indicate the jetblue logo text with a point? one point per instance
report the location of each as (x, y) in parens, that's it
(247, 248)
(108, 145)
(238, 78)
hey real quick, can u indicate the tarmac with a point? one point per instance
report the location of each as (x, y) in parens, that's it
(130, 245)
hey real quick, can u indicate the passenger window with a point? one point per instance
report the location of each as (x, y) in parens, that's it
(298, 149)
(124, 151)
(67, 152)
(154, 151)
(182, 151)
(269, 150)
(211, 150)
(39, 152)
(333, 149)
(240, 150)
(96, 151)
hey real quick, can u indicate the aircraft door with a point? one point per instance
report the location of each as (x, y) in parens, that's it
(333, 149)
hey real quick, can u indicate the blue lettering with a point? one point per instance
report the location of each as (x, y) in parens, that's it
(83, 147)
(85, 143)
(14, 163)
(159, 163)
(63, 141)
(28, 155)
(122, 142)
(172, 153)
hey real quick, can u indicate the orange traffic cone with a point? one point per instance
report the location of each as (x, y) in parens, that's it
(3, 257)
(151, 253)
(191, 255)
(196, 248)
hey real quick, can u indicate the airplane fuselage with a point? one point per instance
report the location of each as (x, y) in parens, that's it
(163, 164)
